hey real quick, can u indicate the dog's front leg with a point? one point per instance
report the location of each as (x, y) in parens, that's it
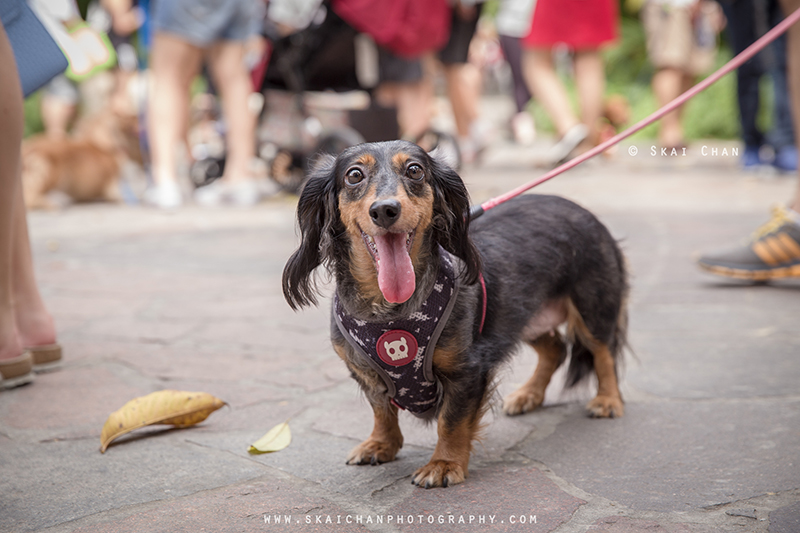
(386, 438)
(384, 442)
(458, 425)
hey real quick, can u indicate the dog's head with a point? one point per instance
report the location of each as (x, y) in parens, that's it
(376, 213)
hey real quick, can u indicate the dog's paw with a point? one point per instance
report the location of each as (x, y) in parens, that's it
(373, 452)
(522, 401)
(606, 407)
(439, 474)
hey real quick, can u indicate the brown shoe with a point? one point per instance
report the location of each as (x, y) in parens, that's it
(16, 371)
(46, 358)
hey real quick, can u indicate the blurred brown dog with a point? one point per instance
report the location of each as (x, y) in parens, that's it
(86, 166)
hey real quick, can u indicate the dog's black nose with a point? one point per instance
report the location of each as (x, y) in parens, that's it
(384, 213)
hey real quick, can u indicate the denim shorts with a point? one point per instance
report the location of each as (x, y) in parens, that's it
(203, 22)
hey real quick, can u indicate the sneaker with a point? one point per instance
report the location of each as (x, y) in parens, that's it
(165, 196)
(523, 128)
(240, 194)
(772, 253)
(786, 159)
(575, 136)
(751, 159)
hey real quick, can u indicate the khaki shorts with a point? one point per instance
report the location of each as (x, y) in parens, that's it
(673, 41)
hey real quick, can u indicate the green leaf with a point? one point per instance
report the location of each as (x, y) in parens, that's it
(275, 440)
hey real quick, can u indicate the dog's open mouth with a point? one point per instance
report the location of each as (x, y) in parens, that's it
(391, 253)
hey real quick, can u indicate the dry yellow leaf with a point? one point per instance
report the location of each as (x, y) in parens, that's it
(275, 440)
(175, 408)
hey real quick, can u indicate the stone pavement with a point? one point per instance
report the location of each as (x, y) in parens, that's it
(146, 301)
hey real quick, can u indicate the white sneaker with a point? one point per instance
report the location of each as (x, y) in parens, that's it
(523, 128)
(241, 194)
(575, 136)
(164, 195)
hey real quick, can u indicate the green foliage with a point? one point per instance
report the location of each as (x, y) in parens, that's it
(713, 113)
(33, 114)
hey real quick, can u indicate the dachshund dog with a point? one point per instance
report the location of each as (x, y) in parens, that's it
(387, 220)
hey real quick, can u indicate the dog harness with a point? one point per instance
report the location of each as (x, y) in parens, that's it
(401, 351)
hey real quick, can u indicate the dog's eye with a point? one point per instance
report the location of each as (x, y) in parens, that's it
(354, 176)
(415, 172)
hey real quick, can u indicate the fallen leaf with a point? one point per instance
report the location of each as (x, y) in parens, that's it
(171, 407)
(275, 440)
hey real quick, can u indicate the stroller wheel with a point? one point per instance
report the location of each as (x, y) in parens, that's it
(336, 141)
(287, 171)
(445, 145)
(204, 171)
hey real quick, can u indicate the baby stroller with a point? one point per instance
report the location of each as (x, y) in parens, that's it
(317, 91)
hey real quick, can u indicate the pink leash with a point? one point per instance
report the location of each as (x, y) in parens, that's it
(734, 63)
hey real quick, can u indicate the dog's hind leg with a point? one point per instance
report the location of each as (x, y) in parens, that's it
(587, 353)
(552, 351)
(608, 402)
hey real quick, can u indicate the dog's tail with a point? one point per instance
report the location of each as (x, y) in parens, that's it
(581, 363)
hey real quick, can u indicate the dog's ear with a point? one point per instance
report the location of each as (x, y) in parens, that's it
(451, 217)
(317, 217)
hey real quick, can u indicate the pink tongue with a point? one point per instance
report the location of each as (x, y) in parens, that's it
(395, 272)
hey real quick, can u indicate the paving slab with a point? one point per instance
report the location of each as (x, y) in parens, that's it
(146, 301)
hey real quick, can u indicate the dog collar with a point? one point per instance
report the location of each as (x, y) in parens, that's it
(401, 351)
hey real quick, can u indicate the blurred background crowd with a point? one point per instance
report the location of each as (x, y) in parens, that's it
(219, 102)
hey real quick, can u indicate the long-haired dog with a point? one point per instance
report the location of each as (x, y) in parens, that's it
(391, 224)
(86, 166)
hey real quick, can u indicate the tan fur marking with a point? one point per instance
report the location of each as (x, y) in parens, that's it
(446, 356)
(366, 160)
(384, 442)
(369, 378)
(551, 351)
(608, 402)
(449, 464)
(399, 161)
(362, 266)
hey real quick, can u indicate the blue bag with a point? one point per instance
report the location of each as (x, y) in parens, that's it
(39, 59)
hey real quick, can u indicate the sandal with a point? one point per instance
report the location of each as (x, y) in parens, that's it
(46, 358)
(16, 371)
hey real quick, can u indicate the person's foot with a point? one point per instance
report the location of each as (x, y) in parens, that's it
(564, 147)
(16, 371)
(523, 128)
(244, 193)
(751, 158)
(165, 195)
(772, 253)
(786, 159)
(38, 336)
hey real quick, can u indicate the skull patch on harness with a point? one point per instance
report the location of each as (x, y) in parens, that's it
(397, 347)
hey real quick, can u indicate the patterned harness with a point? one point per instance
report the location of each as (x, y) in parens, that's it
(401, 351)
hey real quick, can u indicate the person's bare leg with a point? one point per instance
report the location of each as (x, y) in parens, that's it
(463, 91)
(414, 102)
(667, 84)
(226, 59)
(11, 116)
(173, 65)
(793, 72)
(590, 79)
(34, 323)
(544, 83)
